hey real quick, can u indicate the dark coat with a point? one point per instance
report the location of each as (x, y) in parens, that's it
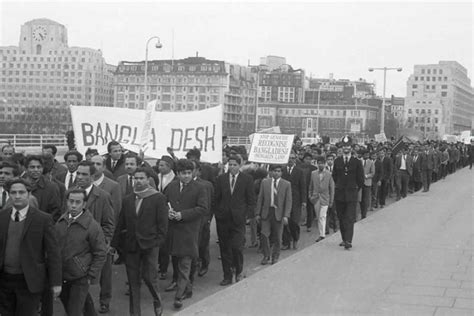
(378, 172)
(211, 200)
(427, 161)
(417, 169)
(408, 163)
(238, 205)
(58, 171)
(99, 204)
(387, 168)
(192, 203)
(144, 230)
(82, 247)
(113, 188)
(48, 197)
(119, 167)
(39, 251)
(299, 192)
(348, 179)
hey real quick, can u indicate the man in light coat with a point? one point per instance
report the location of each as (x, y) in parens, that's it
(321, 194)
(369, 172)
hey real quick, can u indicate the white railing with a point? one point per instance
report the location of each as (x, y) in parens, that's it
(32, 140)
(238, 141)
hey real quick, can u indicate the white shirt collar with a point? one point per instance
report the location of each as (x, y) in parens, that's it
(22, 212)
(88, 190)
(236, 175)
(99, 181)
(75, 217)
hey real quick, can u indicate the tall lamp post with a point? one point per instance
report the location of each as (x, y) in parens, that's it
(382, 123)
(157, 45)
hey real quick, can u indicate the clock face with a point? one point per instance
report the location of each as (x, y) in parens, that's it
(39, 33)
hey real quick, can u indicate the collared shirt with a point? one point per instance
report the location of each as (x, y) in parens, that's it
(73, 218)
(2, 190)
(99, 181)
(68, 175)
(274, 184)
(403, 164)
(165, 179)
(88, 190)
(22, 213)
(113, 163)
(235, 180)
(290, 169)
(348, 157)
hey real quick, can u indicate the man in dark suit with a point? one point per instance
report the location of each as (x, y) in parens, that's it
(72, 159)
(416, 176)
(307, 168)
(299, 193)
(113, 188)
(273, 210)
(376, 180)
(115, 161)
(348, 175)
(29, 255)
(99, 204)
(235, 201)
(387, 169)
(58, 171)
(44, 191)
(189, 204)
(144, 217)
(131, 163)
(427, 165)
(403, 172)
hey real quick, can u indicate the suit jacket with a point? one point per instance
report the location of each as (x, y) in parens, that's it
(369, 171)
(192, 202)
(123, 180)
(322, 191)
(39, 252)
(211, 201)
(99, 204)
(238, 205)
(408, 164)
(348, 179)
(62, 178)
(58, 171)
(146, 229)
(417, 169)
(378, 172)
(427, 161)
(119, 168)
(284, 199)
(48, 197)
(387, 168)
(113, 188)
(298, 189)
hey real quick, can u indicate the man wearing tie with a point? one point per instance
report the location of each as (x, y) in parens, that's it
(235, 201)
(72, 159)
(404, 170)
(166, 173)
(115, 159)
(348, 175)
(126, 180)
(273, 210)
(369, 171)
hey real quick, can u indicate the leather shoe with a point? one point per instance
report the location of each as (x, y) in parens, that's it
(158, 310)
(274, 260)
(295, 245)
(225, 282)
(342, 244)
(319, 238)
(188, 294)
(285, 247)
(172, 287)
(239, 277)
(202, 271)
(178, 303)
(104, 308)
(348, 245)
(265, 261)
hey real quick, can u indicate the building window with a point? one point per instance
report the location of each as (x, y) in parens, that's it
(422, 71)
(436, 111)
(428, 71)
(414, 86)
(38, 49)
(409, 111)
(434, 71)
(444, 86)
(416, 78)
(441, 71)
(444, 94)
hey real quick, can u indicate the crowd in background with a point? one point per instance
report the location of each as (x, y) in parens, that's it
(120, 208)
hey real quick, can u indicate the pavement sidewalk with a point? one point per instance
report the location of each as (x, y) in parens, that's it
(412, 258)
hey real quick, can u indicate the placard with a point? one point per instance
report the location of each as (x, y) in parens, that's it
(271, 148)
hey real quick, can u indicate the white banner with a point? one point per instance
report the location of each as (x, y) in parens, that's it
(95, 127)
(465, 137)
(271, 148)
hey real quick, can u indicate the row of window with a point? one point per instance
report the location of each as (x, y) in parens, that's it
(443, 93)
(423, 111)
(422, 78)
(434, 71)
(417, 119)
(415, 86)
(51, 52)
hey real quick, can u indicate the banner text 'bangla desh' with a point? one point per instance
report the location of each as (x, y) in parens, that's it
(95, 127)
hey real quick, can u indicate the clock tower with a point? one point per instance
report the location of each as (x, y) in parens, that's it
(41, 36)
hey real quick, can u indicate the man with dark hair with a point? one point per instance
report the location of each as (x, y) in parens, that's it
(235, 201)
(207, 171)
(58, 171)
(81, 240)
(131, 163)
(144, 218)
(30, 261)
(348, 175)
(307, 168)
(99, 203)
(273, 210)
(188, 201)
(7, 151)
(115, 161)
(45, 192)
(404, 170)
(387, 170)
(369, 171)
(72, 159)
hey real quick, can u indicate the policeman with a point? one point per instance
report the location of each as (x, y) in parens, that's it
(348, 175)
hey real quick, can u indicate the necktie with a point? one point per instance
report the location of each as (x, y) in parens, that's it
(275, 193)
(346, 160)
(182, 187)
(114, 162)
(70, 182)
(4, 198)
(17, 216)
(232, 184)
(129, 185)
(365, 161)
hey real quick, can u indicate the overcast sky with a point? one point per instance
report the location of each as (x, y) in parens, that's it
(340, 38)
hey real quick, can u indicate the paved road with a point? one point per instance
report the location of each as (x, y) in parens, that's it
(414, 257)
(417, 227)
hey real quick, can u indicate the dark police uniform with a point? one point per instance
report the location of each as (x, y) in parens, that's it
(349, 178)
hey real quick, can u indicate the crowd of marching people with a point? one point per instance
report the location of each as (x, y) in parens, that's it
(64, 226)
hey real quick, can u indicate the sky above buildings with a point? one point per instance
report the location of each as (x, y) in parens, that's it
(342, 38)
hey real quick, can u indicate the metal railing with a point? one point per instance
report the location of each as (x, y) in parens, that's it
(238, 141)
(32, 140)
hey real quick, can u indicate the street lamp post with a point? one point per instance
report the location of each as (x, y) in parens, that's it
(382, 123)
(319, 115)
(157, 45)
(256, 101)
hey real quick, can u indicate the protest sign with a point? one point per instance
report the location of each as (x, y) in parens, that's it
(465, 137)
(95, 127)
(380, 138)
(271, 148)
(149, 114)
(355, 127)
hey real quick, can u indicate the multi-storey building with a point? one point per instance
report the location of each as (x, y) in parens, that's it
(440, 99)
(189, 84)
(272, 62)
(396, 107)
(282, 84)
(42, 76)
